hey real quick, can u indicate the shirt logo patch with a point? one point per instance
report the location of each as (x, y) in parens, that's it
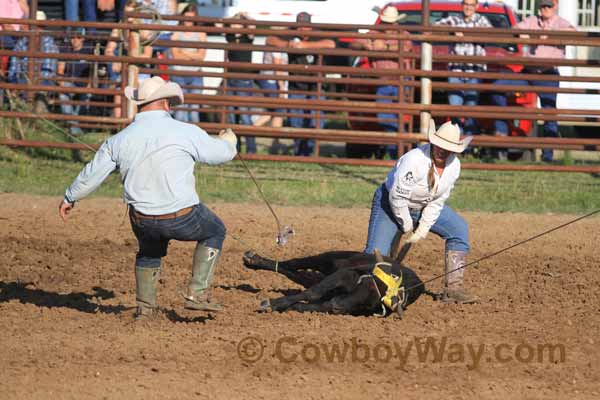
(409, 179)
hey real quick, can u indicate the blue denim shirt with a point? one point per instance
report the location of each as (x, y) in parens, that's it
(155, 155)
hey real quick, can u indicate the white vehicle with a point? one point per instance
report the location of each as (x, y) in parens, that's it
(322, 11)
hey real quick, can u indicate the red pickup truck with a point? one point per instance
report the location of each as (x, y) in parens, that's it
(500, 16)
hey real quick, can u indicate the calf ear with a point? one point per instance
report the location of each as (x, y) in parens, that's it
(378, 256)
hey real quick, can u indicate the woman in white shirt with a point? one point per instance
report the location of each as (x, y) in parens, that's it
(413, 200)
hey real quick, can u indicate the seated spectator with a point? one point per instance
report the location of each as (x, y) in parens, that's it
(240, 86)
(18, 71)
(303, 147)
(470, 97)
(274, 86)
(547, 20)
(388, 17)
(74, 74)
(189, 54)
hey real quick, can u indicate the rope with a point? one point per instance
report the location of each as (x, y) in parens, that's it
(279, 229)
(505, 249)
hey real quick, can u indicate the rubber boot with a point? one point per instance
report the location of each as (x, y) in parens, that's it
(146, 282)
(454, 291)
(203, 267)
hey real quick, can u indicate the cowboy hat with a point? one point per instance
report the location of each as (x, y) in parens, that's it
(448, 137)
(153, 89)
(390, 15)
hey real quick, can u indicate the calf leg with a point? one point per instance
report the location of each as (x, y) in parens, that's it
(344, 279)
(363, 299)
(325, 263)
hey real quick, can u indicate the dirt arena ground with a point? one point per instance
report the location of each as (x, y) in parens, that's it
(67, 298)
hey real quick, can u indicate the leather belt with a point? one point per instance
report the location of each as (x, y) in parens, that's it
(179, 213)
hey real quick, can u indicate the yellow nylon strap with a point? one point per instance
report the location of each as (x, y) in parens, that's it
(392, 283)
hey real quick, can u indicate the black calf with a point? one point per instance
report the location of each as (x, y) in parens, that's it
(338, 282)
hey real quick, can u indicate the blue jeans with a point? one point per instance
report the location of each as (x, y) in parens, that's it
(467, 98)
(89, 10)
(266, 84)
(200, 225)
(304, 147)
(244, 118)
(383, 226)
(189, 116)
(547, 100)
(69, 109)
(388, 126)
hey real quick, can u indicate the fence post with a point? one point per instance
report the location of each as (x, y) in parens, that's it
(132, 70)
(318, 114)
(426, 64)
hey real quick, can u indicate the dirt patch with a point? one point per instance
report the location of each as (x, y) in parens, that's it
(67, 297)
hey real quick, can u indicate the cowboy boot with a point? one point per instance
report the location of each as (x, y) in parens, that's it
(146, 281)
(205, 261)
(454, 291)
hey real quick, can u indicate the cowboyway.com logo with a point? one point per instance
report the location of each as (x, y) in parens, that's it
(289, 349)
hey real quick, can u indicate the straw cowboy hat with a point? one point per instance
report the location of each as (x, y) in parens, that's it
(390, 15)
(448, 137)
(153, 89)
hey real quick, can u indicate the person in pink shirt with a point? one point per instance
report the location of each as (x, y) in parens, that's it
(547, 20)
(13, 9)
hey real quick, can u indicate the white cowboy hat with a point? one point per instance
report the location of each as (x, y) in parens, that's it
(390, 15)
(448, 137)
(155, 88)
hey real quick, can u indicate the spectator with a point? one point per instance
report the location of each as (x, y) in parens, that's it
(389, 16)
(546, 21)
(110, 5)
(469, 97)
(280, 86)
(119, 48)
(89, 10)
(163, 7)
(241, 86)
(18, 71)
(13, 9)
(74, 73)
(189, 54)
(303, 147)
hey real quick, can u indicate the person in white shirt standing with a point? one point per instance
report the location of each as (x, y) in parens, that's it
(414, 194)
(155, 156)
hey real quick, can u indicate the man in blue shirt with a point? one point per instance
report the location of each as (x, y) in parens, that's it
(155, 156)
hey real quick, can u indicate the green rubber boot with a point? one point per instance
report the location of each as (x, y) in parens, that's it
(146, 282)
(203, 267)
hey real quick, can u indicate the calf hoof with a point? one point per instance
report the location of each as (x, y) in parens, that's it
(265, 306)
(251, 259)
(254, 261)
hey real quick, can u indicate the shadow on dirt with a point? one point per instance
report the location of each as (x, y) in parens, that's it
(78, 301)
(244, 287)
(172, 316)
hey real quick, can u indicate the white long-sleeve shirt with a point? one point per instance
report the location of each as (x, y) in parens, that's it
(155, 155)
(408, 187)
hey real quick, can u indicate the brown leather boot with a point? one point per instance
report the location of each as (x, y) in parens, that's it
(146, 282)
(454, 291)
(203, 267)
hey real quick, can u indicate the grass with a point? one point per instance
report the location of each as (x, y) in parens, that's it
(49, 172)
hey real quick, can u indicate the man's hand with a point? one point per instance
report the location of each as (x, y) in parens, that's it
(416, 236)
(228, 136)
(64, 208)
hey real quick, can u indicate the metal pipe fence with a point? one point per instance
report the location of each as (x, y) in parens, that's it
(344, 95)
